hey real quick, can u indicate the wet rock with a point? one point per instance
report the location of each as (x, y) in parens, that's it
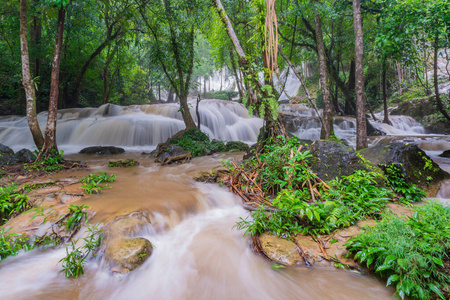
(123, 163)
(332, 159)
(279, 250)
(124, 251)
(446, 153)
(417, 167)
(8, 159)
(126, 226)
(168, 154)
(5, 149)
(25, 155)
(102, 150)
(215, 175)
(126, 254)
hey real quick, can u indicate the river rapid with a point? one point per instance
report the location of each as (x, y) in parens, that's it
(198, 253)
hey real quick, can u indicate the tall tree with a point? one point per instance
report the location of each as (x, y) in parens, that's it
(50, 131)
(327, 126)
(361, 129)
(27, 80)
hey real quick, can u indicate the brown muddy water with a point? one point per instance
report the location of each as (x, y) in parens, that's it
(198, 254)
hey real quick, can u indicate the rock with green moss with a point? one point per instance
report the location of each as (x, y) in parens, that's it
(332, 159)
(126, 254)
(236, 146)
(415, 164)
(123, 163)
(168, 154)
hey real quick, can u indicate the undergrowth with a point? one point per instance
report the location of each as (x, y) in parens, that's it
(92, 182)
(411, 253)
(12, 201)
(54, 162)
(199, 143)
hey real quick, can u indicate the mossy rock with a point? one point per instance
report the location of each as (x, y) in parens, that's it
(332, 160)
(123, 163)
(416, 165)
(236, 146)
(168, 154)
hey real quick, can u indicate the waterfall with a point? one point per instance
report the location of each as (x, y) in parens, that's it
(136, 126)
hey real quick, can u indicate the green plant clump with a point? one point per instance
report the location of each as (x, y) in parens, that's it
(75, 259)
(54, 162)
(75, 216)
(11, 244)
(11, 201)
(410, 253)
(92, 182)
(396, 179)
(198, 143)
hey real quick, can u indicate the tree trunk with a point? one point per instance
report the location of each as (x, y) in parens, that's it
(27, 81)
(238, 82)
(170, 95)
(383, 80)
(361, 129)
(436, 84)
(50, 131)
(327, 125)
(185, 112)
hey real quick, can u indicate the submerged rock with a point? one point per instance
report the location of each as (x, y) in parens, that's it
(446, 153)
(123, 163)
(102, 150)
(126, 254)
(168, 154)
(415, 164)
(332, 159)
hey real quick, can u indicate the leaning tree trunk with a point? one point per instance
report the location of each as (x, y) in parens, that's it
(185, 111)
(436, 84)
(275, 127)
(361, 129)
(50, 131)
(386, 113)
(27, 81)
(327, 125)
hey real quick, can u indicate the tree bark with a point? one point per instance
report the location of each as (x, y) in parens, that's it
(327, 125)
(436, 83)
(27, 81)
(50, 131)
(238, 83)
(383, 80)
(361, 129)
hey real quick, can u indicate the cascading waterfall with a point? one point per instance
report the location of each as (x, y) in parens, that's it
(134, 126)
(304, 122)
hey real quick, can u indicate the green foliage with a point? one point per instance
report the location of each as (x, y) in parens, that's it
(76, 257)
(76, 215)
(125, 163)
(221, 95)
(396, 179)
(11, 201)
(198, 143)
(92, 182)
(54, 162)
(412, 253)
(11, 244)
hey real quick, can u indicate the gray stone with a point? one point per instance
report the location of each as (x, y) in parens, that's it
(168, 154)
(102, 150)
(25, 155)
(446, 153)
(5, 149)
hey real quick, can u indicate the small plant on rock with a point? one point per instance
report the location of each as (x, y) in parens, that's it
(93, 181)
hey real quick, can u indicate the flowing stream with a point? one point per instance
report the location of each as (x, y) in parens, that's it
(198, 254)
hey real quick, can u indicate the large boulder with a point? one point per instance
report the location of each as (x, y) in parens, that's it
(126, 254)
(446, 154)
(123, 250)
(8, 159)
(167, 154)
(25, 155)
(102, 150)
(417, 167)
(5, 149)
(332, 159)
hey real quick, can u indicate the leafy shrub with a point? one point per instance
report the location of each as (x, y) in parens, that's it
(198, 143)
(11, 244)
(411, 253)
(76, 215)
(397, 181)
(73, 262)
(54, 162)
(92, 182)
(11, 201)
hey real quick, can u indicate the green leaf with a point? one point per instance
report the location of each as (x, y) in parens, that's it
(392, 279)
